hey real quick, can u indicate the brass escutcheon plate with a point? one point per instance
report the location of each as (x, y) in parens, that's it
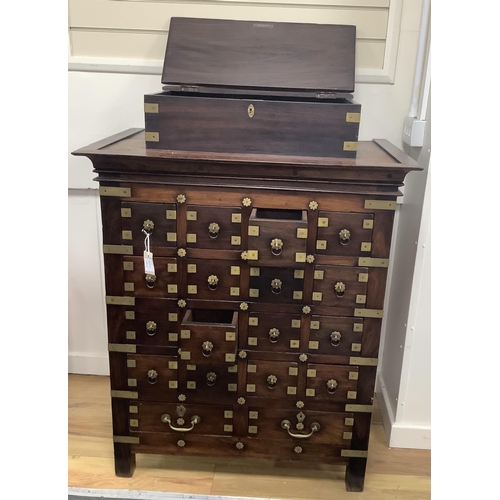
(251, 110)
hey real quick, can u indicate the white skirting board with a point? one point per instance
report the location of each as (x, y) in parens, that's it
(95, 494)
(400, 435)
(84, 363)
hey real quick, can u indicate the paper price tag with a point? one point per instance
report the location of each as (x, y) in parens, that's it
(149, 267)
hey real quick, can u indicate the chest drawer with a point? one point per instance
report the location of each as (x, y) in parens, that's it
(335, 335)
(213, 279)
(138, 284)
(159, 220)
(273, 332)
(279, 236)
(152, 322)
(209, 382)
(331, 383)
(209, 336)
(155, 378)
(182, 419)
(340, 286)
(344, 234)
(276, 285)
(305, 426)
(214, 227)
(272, 379)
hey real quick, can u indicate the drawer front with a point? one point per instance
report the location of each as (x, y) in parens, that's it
(152, 322)
(164, 283)
(335, 335)
(158, 219)
(294, 424)
(272, 379)
(214, 227)
(213, 279)
(273, 332)
(344, 234)
(209, 383)
(154, 377)
(181, 419)
(340, 286)
(209, 336)
(331, 383)
(276, 285)
(279, 236)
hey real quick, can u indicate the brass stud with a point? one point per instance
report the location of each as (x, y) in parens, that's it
(241, 401)
(244, 255)
(181, 303)
(298, 449)
(181, 443)
(313, 205)
(239, 445)
(246, 202)
(181, 252)
(303, 358)
(306, 309)
(244, 306)
(310, 259)
(242, 354)
(299, 404)
(181, 397)
(181, 198)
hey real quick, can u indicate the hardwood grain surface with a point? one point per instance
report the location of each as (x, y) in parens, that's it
(391, 473)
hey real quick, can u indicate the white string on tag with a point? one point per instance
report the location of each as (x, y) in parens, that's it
(149, 266)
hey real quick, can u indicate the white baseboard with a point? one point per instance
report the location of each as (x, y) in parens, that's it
(400, 435)
(83, 363)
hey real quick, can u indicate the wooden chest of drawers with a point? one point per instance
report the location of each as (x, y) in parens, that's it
(258, 334)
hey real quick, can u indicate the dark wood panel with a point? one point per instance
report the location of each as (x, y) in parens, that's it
(254, 54)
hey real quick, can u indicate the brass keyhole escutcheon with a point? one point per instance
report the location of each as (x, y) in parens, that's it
(251, 110)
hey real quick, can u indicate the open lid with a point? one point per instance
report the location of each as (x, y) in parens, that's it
(260, 55)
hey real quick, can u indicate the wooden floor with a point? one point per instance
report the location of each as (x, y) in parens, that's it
(391, 473)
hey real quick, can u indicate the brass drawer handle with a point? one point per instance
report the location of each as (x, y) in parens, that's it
(339, 288)
(148, 226)
(315, 427)
(152, 376)
(150, 280)
(272, 380)
(213, 282)
(213, 230)
(276, 246)
(207, 348)
(211, 378)
(195, 419)
(344, 236)
(331, 386)
(276, 286)
(274, 333)
(335, 338)
(151, 328)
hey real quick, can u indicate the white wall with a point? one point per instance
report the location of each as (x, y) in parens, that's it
(107, 98)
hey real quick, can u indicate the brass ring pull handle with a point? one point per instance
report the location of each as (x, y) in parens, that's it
(339, 288)
(150, 280)
(276, 286)
(151, 328)
(152, 376)
(274, 333)
(207, 348)
(211, 378)
(315, 427)
(276, 246)
(148, 226)
(213, 282)
(344, 236)
(335, 338)
(195, 419)
(213, 230)
(272, 380)
(331, 386)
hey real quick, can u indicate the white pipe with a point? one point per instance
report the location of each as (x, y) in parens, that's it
(422, 41)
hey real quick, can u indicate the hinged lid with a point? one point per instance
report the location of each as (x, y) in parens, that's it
(260, 55)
